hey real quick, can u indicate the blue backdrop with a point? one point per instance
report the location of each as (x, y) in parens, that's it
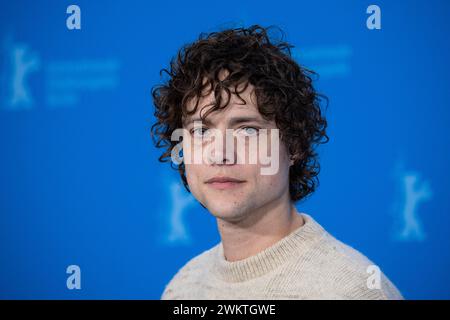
(80, 183)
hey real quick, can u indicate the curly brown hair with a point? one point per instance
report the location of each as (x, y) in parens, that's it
(283, 89)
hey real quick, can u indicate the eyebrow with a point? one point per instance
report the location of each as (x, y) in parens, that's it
(231, 122)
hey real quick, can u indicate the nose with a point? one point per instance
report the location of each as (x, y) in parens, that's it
(221, 148)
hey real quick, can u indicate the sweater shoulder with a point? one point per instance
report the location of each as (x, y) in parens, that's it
(349, 273)
(192, 271)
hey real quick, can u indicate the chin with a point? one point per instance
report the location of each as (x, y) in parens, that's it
(221, 211)
(226, 211)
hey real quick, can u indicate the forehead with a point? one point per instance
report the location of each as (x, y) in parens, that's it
(234, 107)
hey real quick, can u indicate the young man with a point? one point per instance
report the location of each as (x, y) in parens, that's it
(224, 90)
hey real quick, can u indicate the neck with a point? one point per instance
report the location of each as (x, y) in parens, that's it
(259, 230)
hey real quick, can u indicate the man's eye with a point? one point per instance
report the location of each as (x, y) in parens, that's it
(248, 131)
(198, 132)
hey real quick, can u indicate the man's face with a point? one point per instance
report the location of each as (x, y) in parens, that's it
(234, 201)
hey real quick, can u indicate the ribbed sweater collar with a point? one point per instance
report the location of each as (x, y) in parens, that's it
(295, 243)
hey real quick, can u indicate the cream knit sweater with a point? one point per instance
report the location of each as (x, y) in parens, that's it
(308, 263)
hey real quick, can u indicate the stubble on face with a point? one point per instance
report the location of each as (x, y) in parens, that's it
(256, 192)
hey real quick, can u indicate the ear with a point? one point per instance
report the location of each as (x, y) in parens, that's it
(293, 159)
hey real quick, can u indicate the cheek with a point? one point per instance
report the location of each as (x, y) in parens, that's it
(190, 174)
(194, 175)
(275, 181)
(285, 160)
(265, 183)
(283, 153)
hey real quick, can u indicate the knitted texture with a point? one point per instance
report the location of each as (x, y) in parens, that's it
(308, 263)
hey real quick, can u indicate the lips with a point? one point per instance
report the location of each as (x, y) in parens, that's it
(223, 179)
(222, 183)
